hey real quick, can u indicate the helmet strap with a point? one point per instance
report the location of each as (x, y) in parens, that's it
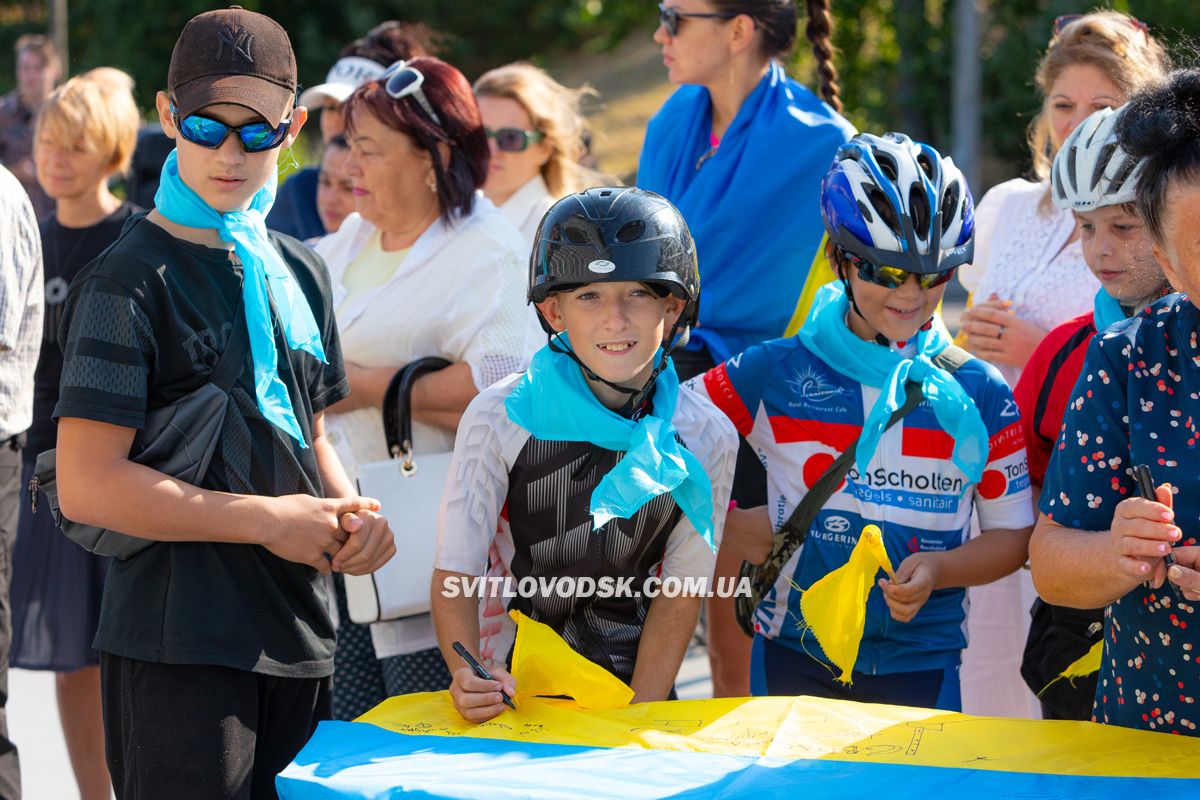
(637, 400)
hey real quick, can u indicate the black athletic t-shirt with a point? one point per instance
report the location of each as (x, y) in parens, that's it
(145, 325)
(65, 251)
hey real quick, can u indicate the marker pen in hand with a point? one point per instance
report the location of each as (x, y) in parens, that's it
(1145, 484)
(480, 672)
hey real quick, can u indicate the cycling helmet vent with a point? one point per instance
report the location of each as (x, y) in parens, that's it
(1091, 169)
(883, 207)
(949, 204)
(887, 165)
(918, 208)
(631, 231)
(926, 165)
(865, 210)
(576, 235)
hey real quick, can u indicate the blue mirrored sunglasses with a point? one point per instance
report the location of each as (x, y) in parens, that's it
(211, 133)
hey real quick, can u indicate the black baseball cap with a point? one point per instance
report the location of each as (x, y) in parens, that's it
(233, 56)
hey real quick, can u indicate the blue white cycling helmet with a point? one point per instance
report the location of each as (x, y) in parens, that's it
(896, 202)
(1091, 170)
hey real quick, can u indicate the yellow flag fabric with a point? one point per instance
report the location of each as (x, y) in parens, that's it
(835, 607)
(1086, 664)
(545, 665)
(783, 728)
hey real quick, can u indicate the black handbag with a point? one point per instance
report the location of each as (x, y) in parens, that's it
(1057, 637)
(794, 531)
(178, 440)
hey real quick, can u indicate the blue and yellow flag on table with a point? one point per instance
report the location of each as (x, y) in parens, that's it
(755, 748)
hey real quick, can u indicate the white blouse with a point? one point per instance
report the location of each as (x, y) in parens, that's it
(1022, 255)
(527, 206)
(459, 293)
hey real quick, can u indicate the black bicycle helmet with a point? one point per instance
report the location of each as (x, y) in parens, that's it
(610, 234)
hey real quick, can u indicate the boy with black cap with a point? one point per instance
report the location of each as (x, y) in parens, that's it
(216, 643)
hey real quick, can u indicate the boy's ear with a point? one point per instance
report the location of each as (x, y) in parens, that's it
(299, 117)
(552, 313)
(162, 105)
(675, 307)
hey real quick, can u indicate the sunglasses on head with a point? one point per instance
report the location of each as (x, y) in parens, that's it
(1066, 19)
(400, 81)
(669, 18)
(514, 140)
(894, 277)
(255, 137)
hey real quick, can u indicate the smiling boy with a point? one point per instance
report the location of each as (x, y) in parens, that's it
(593, 464)
(216, 643)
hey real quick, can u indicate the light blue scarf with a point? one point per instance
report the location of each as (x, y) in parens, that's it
(553, 402)
(261, 265)
(826, 334)
(1107, 310)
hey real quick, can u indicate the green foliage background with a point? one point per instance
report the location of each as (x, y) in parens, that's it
(895, 55)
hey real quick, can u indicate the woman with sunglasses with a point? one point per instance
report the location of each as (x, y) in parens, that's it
(86, 132)
(1028, 277)
(900, 221)
(425, 267)
(536, 134)
(740, 149)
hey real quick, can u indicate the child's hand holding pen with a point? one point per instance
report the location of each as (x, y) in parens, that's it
(480, 695)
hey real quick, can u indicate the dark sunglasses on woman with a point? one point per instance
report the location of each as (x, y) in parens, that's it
(894, 277)
(256, 137)
(401, 80)
(514, 140)
(669, 17)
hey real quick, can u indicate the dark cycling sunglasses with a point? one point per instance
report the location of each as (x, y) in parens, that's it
(1066, 19)
(894, 277)
(669, 18)
(256, 137)
(401, 80)
(514, 140)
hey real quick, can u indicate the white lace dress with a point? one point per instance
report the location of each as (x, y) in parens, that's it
(1022, 255)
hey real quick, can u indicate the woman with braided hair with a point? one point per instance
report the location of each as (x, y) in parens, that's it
(740, 149)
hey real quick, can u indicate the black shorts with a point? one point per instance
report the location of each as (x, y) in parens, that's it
(203, 732)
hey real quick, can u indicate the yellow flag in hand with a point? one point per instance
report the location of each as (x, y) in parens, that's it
(545, 665)
(835, 607)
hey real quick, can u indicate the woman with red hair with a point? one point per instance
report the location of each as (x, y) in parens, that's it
(425, 267)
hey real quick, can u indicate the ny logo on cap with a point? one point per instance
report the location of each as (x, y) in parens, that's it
(239, 40)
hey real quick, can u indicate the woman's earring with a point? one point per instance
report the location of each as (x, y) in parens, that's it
(431, 182)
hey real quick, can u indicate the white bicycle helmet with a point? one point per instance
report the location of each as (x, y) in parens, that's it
(1091, 169)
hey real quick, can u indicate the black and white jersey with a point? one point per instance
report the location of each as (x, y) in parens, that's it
(518, 507)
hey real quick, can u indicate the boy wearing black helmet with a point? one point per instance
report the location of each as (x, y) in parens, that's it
(592, 464)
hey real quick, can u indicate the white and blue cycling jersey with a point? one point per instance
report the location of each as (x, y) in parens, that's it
(799, 414)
